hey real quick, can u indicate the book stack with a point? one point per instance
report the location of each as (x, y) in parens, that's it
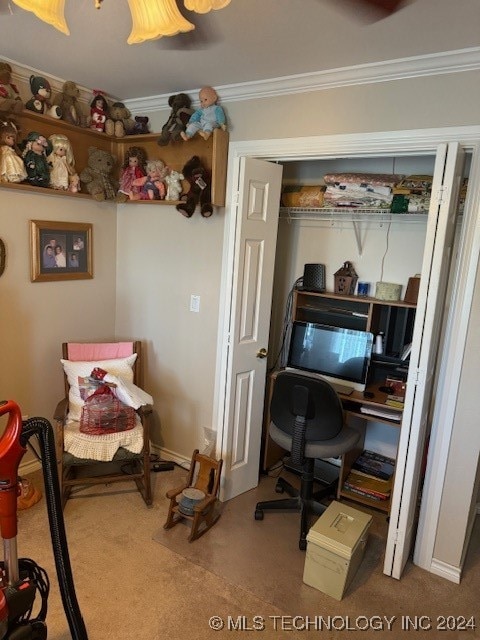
(371, 476)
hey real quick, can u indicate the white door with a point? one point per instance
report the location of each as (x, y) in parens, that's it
(433, 284)
(255, 246)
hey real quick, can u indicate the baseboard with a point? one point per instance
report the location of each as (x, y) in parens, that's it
(445, 570)
(166, 454)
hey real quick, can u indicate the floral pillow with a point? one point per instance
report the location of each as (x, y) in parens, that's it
(120, 367)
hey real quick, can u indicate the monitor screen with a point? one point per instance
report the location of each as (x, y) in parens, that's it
(339, 354)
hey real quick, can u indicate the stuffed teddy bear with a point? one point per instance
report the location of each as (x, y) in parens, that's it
(68, 101)
(178, 119)
(119, 120)
(98, 175)
(40, 100)
(209, 117)
(200, 191)
(174, 186)
(10, 100)
(141, 125)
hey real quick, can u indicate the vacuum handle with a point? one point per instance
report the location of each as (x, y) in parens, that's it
(11, 453)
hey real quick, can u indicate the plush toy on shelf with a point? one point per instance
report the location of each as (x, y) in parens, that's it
(174, 185)
(178, 119)
(40, 100)
(12, 168)
(141, 125)
(10, 100)
(35, 150)
(98, 175)
(68, 101)
(63, 174)
(119, 120)
(200, 191)
(98, 111)
(208, 117)
(152, 186)
(133, 168)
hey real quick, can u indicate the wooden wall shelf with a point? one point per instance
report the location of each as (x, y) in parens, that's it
(212, 152)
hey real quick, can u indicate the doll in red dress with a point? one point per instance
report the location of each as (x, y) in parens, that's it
(132, 169)
(98, 111)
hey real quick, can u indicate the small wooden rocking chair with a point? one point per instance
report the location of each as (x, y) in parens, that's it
(206, 512)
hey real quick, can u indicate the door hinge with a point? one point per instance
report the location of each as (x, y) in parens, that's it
(236, 198)
(419, 377)
(441, 194)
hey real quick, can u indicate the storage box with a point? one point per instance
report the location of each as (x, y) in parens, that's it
(388, 291)
(335, 548)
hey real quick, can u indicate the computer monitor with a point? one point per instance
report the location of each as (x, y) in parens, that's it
(342, 356)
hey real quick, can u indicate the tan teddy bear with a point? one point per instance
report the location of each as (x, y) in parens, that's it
(68, 101)
(10, 100)
(119, 121)
(98, 175)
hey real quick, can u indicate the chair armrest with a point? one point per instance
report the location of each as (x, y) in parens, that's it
(61, 411)
(175, 492)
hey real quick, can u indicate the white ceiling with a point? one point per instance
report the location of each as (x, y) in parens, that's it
(248, 41)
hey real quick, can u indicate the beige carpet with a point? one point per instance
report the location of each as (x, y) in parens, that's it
(136, 581)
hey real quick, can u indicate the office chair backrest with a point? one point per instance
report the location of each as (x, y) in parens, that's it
(306, 397)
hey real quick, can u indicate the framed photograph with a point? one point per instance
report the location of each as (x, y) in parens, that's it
(60, 251)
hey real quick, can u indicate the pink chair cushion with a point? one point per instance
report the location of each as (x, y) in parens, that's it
(79, 351)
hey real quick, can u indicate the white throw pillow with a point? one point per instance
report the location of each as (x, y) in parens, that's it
(120, 367)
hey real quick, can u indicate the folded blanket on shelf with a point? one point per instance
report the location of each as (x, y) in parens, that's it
(360, 190)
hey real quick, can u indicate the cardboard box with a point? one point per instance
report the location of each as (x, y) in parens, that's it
(335, 549)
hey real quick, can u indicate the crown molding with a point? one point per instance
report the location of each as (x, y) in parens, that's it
(413, 67)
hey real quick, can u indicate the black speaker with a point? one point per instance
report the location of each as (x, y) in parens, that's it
(314, 278)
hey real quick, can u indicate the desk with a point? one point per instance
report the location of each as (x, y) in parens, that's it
(352, 405)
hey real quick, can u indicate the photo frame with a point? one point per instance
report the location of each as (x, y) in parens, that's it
(60, 251)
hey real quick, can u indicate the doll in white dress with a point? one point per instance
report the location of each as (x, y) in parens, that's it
(63, 174)
(12, 168)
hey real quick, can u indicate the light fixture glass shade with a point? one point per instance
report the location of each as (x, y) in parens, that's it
(50, 11)
(204, 6)
(153, 19)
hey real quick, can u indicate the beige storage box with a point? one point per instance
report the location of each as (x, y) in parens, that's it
(335, 547)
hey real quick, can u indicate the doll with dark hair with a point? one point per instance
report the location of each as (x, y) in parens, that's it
(98, 111)
(12, 168)
(133, 168)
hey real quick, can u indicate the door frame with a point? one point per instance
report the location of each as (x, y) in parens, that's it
(409, 142)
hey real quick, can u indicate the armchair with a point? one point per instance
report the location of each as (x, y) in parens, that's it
(101, 459)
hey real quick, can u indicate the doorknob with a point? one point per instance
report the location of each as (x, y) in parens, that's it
(262, 353)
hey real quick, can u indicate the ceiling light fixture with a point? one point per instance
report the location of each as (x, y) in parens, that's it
(151, 19)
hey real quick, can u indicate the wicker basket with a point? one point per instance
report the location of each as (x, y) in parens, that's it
(106, 414)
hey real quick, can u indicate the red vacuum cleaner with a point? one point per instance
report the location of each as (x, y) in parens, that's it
(21, 579)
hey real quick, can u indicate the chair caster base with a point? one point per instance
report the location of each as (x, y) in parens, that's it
(259, 514)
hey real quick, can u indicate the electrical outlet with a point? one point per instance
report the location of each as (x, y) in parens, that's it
(194, 303)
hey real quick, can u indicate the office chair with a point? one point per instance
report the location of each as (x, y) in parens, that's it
(130, 450)
(307, 420)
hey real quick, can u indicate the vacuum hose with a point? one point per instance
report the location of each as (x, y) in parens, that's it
(44, 432)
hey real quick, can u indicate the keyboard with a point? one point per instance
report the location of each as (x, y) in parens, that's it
(389, 414)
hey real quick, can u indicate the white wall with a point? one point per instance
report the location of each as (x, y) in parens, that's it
(36, 317)
(163, 258)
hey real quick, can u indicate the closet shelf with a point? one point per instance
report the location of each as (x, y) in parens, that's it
(350, 215)
(354, 216)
